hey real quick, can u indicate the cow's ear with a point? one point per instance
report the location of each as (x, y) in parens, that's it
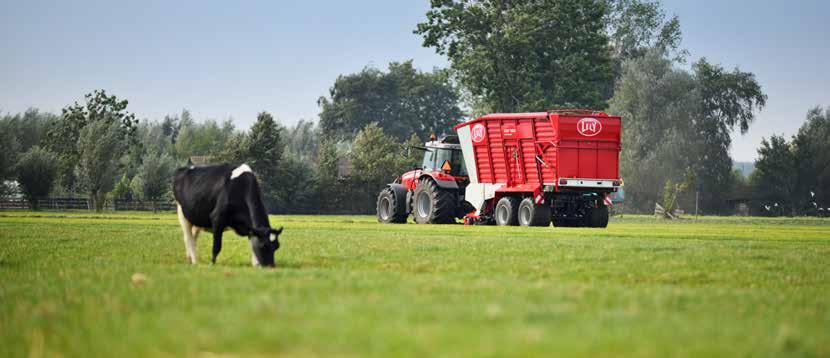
(277, 232)
(275, 244)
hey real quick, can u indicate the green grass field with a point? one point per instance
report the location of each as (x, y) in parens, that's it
(348, 286)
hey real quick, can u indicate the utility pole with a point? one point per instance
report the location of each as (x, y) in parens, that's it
(697, 200)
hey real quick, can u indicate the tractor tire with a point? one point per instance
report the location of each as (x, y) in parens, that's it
(434, 205)
(597, 217)
(390, 208)
(532, 214)
(507, 211)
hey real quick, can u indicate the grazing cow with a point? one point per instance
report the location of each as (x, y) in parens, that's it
(220, 197)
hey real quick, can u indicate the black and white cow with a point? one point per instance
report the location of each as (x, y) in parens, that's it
(220, 197)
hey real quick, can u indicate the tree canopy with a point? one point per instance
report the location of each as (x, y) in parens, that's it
(100, 145)
(678, 124)
(402, 101)
(795, 174)
(64, 136)
(36, 170)
(264, 152)
(525, 55)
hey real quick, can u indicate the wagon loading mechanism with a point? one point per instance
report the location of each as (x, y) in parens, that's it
(526, 169)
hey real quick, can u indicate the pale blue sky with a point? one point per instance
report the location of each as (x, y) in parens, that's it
(223, 59)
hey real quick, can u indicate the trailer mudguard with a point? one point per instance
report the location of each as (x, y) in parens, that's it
(401, 197)
(446, 184)
(443, 184)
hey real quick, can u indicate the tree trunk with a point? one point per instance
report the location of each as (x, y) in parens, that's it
(96, 198)
(101, 201)
(92, 196)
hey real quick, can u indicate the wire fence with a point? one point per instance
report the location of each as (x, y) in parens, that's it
(59, 203)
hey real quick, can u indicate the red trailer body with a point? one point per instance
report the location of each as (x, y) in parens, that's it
(539, 154)
(541, 147)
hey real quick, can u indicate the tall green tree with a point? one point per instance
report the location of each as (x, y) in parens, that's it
(812, 156)
(795, 174)
(9, 150)
(100, 145)
(526, 54)
(679, 123)
(28, 128)
(402, 101)
(376, 158)
(658, 103)
(775, 177)
(303, 139)
(154, 176)
(202, 139)
(330, 195)
(729, 102)
(64, 136)
(635, 27)
(264, 152)
(122, 189)
(296, 192)
(36, 171)
(235, 149)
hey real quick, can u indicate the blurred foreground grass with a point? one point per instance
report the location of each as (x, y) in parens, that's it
(346, 285)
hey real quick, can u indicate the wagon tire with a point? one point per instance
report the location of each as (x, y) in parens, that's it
(390, 208)
(432, 204)
(598, 217)
(532, 214)
(507, 211)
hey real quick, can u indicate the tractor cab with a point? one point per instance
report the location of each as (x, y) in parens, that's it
(444, 156)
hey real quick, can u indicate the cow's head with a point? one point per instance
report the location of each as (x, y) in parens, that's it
(262, 245)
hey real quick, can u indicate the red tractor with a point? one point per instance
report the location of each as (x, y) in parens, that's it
(433, 192)
(527, 169)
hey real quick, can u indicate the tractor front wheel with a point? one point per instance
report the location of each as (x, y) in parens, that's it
(391, 209)
(434, 205)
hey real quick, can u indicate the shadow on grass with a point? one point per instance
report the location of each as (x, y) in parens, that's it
(6, 264)
(740, 239)
(280, 264)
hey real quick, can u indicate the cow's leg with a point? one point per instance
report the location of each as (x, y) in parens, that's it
(189, 239)
(254, 261)
(217, 241)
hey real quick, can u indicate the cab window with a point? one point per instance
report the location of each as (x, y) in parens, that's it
(439, 156)
(428, 159)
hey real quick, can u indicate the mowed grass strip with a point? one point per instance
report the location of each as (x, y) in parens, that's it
(346, 285)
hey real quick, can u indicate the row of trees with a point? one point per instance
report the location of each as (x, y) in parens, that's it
(623, 56)
(98, 149)
(793, 177)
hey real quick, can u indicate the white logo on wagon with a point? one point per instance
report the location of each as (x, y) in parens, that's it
(478, 132)
(588, 126)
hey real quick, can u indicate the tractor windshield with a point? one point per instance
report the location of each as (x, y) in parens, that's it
(434, 159)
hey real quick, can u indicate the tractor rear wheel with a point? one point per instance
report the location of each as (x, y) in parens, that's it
(432, 204)
(532, 214)
(507, 211)
(390, 208)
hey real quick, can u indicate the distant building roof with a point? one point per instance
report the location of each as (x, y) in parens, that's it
(201, 159)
